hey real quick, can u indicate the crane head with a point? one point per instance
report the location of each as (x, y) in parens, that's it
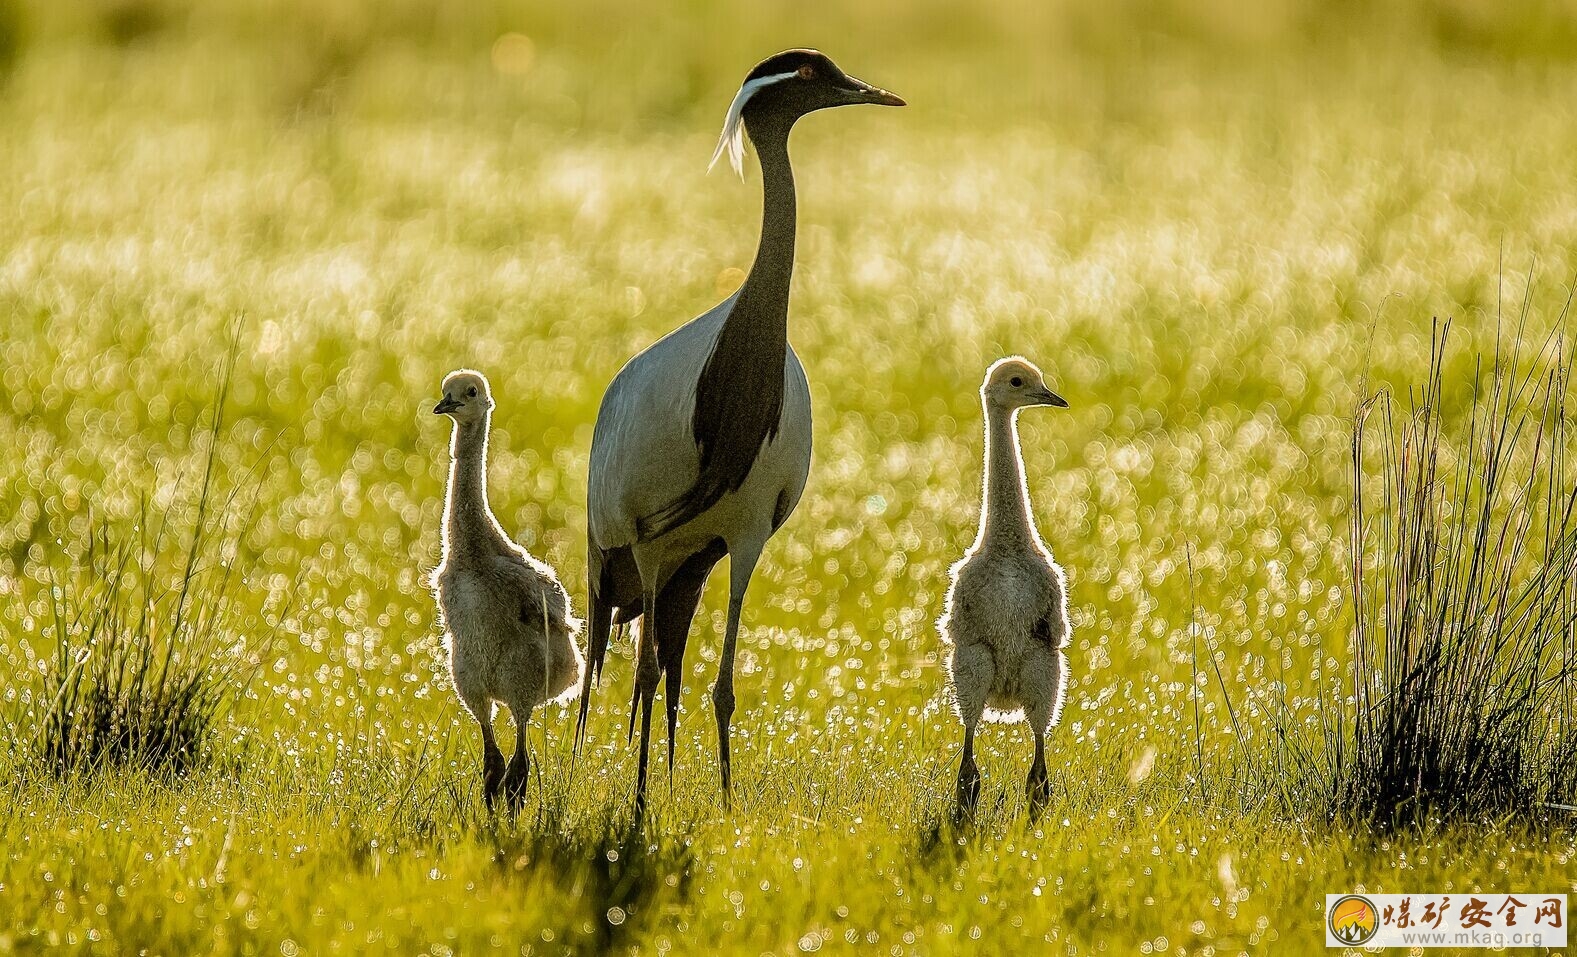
(784, 87)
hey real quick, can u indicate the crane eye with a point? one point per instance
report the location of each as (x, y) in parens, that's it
(1015, 382)
(807, 72)
(471, 392)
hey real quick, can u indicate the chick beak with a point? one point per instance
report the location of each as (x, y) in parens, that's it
(861, 92)
(446, 405)
(1048, 397)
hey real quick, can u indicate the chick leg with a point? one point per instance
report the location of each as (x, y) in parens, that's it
(492, 762)
(480, 705)
(973, 670)
(518, 774)
(1038, 787)
(1044, 686)
(968, 797)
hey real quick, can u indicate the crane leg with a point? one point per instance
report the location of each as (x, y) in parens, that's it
(741, 566)
(646, 675)
(676, 605)
(671, 692)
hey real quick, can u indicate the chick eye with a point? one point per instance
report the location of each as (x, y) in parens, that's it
(471, 392)
(1015, 382)
(807, 72)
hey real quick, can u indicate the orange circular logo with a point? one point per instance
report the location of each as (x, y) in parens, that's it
(1353, 920)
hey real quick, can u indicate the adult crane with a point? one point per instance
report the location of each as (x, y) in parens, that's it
(702, 442)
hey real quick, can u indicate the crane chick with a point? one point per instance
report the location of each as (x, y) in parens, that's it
(507, 621)
(1006, 614)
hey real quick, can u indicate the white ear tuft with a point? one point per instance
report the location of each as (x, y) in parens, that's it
(733, 137)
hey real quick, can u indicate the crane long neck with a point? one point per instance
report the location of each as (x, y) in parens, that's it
(467, 517)
(739, 395)
(763, 300)
(1004, 508)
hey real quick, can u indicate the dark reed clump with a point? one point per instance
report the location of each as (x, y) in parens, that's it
(136, 680)
(1464, 591)
(143, 666)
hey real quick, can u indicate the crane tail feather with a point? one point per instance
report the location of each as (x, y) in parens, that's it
(596, 650)
(606, 571)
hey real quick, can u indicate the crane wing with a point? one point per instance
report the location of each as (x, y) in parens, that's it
(738, 409)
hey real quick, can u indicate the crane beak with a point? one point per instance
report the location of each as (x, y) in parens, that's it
(1048, 397)
(858, 91)
(446, 405)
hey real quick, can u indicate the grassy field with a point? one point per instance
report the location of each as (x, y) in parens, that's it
(1207, 227)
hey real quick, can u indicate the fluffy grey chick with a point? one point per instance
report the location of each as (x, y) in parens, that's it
(1006, 616)
(507, 621)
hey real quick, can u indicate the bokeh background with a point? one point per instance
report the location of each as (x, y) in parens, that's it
(1210, 222)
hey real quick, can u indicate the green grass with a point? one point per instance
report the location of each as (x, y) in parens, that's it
(1206, 238)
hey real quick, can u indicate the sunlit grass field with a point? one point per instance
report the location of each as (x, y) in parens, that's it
(1210, 238)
